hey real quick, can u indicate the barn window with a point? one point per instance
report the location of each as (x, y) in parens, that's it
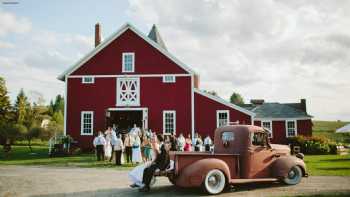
(128, 91)
(88, 80)
(222, 118)
(169, 122)
(291, 128)
(128, 62)
(268, 126)
(169, 79)
(87, 123)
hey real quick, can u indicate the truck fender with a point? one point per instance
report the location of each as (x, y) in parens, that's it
(194, 174)
(282, 165)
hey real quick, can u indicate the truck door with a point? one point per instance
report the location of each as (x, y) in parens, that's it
(260, 156)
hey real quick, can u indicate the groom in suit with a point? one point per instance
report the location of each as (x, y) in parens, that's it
(162, 162)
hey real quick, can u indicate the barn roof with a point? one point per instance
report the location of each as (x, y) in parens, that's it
(115, 35)
(155, 36)
(277, 110)
(224, 102)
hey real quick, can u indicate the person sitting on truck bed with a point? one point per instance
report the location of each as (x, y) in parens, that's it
(161, 162)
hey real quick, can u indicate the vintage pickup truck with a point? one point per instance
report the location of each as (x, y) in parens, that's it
(242, 154)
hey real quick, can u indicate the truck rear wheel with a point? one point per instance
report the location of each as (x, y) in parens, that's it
(294, 176)
(214, 182)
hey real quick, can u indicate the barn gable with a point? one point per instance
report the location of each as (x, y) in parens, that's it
(157, 47)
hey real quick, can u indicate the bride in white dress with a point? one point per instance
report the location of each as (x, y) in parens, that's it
(136, 174)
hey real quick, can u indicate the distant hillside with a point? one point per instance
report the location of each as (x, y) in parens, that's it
(327, 129)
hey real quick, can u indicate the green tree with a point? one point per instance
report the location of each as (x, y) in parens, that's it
(59, 104)
(34, 132)
(5, 105)
(236, 98)
(58, 117)
(22, 106)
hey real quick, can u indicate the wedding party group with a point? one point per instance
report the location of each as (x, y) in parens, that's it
(135, 146)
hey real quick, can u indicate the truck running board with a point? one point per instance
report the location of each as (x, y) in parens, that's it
(241, 181)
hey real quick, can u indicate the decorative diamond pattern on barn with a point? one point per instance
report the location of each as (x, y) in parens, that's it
(128, 91)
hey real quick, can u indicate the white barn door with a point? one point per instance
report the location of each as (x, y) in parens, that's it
(128, 91)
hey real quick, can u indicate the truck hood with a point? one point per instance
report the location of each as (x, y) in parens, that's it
(282, 149)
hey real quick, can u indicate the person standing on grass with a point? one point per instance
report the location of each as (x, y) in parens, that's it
(181, 141)
(99, 143)
(118, 149)
(128, 148)
(113, 141)
(136, 149)
(207, 143)
(188, 143)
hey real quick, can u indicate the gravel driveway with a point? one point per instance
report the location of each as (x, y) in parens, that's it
(53, 181)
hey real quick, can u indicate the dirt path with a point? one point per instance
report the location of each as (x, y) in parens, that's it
(51, 181)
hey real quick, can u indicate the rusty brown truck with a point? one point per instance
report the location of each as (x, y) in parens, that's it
(242, 154)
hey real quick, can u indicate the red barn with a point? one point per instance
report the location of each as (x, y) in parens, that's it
(132, 78)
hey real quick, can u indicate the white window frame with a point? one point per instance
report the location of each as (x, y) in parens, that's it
(269, 129)
(295, 128)
(169, 79)
(218, 112)
(120, 103)
(133, 62)
(82, 122)
(174, 121)
(83, 79)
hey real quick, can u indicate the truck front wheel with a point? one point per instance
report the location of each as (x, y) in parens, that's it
(294, 176)
(214, 182)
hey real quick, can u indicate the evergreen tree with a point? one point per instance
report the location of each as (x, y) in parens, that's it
(21, 107)
(236, 98)
(5, 105)
(59, 104)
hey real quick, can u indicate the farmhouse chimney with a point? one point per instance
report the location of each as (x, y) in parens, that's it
(303, 104)
(257, 101)
(97, 34)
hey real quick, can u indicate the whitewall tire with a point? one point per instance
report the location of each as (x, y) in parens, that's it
(214, 182)
(294, 176)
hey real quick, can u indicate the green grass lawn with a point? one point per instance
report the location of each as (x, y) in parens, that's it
(328, 165)
(327, 129)
(20, 155)
(325, 165)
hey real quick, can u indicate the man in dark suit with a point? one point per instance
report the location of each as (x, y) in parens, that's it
(162, 162)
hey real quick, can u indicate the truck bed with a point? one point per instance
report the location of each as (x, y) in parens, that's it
(183, 159)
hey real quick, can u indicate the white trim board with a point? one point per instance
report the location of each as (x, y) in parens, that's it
(126, 76)
(224, 102)
(127, 109)
(114, 36)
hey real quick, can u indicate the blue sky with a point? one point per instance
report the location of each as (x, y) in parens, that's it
(280, 51)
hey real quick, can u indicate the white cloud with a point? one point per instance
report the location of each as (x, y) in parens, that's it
(33, 60)
(278, 50)
(9, 23)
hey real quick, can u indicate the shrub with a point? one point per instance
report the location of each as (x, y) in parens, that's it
(313, 145)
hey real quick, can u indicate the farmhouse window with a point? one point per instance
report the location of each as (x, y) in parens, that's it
(169, 122)
(128, 62)
(169, 79)
(222, 118)
(268, 126)
(87, 123)
(291, 128)
(128, 92)
(88, 80)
